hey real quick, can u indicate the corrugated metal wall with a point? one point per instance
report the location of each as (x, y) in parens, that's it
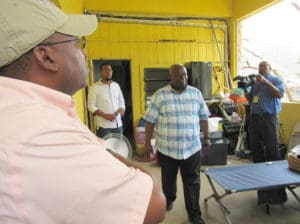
(148, 46)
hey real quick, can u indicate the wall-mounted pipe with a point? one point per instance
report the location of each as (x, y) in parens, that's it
(160, 22)
(177, 21)
(223, 60)
(173, 21)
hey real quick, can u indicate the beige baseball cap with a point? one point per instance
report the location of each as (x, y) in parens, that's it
(26, 23)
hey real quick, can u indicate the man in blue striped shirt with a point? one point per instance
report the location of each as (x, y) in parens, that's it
(178, 111)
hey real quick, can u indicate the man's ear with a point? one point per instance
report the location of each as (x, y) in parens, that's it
(44, 57)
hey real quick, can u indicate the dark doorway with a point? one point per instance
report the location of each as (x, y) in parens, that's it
(121, 75)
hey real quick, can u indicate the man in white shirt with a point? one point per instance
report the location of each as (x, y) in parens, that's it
(106, 103)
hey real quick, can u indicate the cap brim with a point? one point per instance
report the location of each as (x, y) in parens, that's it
(79, 25)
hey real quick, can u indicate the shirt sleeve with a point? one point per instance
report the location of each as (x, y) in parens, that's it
(92, 98)
(203, 109)
(152, 112)
(121, 100)
(279, 84)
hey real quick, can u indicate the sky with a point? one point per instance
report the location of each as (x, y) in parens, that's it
(274, 34)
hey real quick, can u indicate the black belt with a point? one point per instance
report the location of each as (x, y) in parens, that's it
(262, 115)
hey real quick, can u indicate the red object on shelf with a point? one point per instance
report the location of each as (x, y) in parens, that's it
(238, 99)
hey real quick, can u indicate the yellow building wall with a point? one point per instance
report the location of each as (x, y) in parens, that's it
(202, 8)
(71, 6)
(289, 116)
(142, 44)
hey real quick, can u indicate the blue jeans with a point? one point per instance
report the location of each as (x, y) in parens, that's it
(101, 132)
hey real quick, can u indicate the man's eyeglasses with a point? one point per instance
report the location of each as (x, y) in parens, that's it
(81, 42)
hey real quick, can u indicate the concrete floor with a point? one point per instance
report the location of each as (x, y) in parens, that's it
(243, 206)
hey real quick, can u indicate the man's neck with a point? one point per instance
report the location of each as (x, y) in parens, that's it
(106, 81)
(179, 91)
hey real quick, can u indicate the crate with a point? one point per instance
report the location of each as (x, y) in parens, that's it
(231, 128)
(217, 154)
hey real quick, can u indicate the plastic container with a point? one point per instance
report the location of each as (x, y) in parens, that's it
(140, 150)
(231, 128)
(139, 135)
(217, 154)
(238, 99)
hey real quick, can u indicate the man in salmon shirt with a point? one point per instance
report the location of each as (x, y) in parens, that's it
(52, 168)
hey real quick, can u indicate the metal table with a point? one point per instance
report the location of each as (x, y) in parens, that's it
(258, 176)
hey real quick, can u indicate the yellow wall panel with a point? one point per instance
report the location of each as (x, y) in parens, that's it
(170, 53)
(143, 33)
(147, 46)
(202, 8)
(193, 33)
(139, 43)
(70, 6)
(161, 55)
(154, 32)
(124, 50)
(289, 117)
(193, 53)
(169, 32)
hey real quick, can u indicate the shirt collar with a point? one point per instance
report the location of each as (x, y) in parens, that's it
(267, 75)
(33, 92)
(174, 91)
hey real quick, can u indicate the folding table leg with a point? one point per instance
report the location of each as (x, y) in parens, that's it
(218, 198)
(268, 209)
(291, 189)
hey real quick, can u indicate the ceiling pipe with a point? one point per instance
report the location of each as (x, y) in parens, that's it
(173, 21)
(176, 21)
(170, 22)
(160, 18)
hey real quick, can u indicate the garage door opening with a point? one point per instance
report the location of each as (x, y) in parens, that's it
(273, 35)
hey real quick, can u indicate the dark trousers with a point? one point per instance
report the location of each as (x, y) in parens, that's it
(101, 132)
(263, 138)
(190, 174)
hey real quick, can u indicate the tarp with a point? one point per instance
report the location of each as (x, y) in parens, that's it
(256, 176)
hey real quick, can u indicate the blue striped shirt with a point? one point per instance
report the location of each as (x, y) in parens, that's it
(177, 117)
